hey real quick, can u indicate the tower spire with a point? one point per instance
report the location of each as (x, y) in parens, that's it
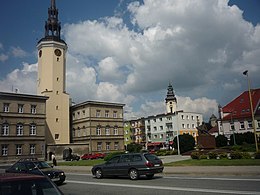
(52, 24)
(170, 100)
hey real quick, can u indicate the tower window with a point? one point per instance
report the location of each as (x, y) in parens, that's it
(56, 136)
(57, 78)
(58, 59)
(57, 92)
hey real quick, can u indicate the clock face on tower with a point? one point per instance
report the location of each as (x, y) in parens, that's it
(57, 52)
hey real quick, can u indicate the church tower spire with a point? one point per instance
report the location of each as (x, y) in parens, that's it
(52, 24)
(170, 100)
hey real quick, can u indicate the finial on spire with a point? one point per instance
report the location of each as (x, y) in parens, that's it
(53, 4)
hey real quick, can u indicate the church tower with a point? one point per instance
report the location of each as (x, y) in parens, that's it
(52, 79)
(170, 100)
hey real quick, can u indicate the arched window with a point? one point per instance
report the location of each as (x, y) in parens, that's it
(5, 129)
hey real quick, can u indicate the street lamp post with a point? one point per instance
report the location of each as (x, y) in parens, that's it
(251, 106)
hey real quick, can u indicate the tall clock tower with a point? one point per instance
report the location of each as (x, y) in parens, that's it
(52, 79)
(170, 100)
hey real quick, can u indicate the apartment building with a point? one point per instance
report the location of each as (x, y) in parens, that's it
(98, 124)
(23, 126)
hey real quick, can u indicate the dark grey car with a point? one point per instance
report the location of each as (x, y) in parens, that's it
(131, 164)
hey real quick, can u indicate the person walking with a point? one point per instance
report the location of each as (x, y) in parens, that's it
(54, 162)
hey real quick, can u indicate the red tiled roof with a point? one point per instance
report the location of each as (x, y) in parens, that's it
(240, 106)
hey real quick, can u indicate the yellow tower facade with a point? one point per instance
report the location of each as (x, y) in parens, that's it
(52, 80)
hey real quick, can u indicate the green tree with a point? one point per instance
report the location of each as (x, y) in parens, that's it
(221, 140)
(133, 147)
(187, 143)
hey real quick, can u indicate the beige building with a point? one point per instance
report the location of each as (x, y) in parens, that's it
(98, 124)
(22, 124)
(51, 79)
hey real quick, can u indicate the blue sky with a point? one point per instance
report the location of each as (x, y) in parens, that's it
(128, 52)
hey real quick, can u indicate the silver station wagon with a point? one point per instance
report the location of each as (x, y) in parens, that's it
(131, 164)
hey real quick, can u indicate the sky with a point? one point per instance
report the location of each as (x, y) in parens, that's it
(127, 51)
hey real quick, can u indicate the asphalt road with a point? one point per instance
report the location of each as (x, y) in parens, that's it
(77, 183)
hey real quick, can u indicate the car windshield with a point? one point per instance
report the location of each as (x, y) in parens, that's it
(42, 165)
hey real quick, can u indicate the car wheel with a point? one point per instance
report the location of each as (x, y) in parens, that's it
(133, 174)
(150, 176)
(98, 173)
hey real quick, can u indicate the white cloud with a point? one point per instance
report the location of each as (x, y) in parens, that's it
(23, 80)
(18, 52)
(3, 57)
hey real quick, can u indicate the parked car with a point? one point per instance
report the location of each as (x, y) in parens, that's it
(35, 166)
(131, 164)
(89, 156)
(100, 155)
(17, 183)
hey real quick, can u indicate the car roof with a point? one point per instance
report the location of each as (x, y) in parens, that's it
(6, 177)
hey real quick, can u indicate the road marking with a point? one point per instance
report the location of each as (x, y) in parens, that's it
(167, 188)
(188, 178)
(210, 178)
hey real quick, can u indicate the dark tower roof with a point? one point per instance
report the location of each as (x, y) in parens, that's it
(170, 94)
(52, 25)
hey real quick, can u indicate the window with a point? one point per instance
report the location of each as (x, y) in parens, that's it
(160, 119)
(155, 128)
(20, 108)
(183, 126)
(57, 107)
(57, 119)
(125, 158)
(73, 132)
(187, 117)
(107, 145)
(106, 113)
(115, 131)
(137, 158)
(242, 125)
(115, 114)
(161, 128)
(33, 109)
(155, 136)
(107, 130)
(99, 146)
(258, 123)
(32, 148)
(188, 126)
(57, 136)
(98, 131)
(19, 129)
(192, 118)
(6, 107)
(182, 117)
(126, 132)
(4, 150)
(161, 136)
(32, 129)
(154, 120)
(193, 126)
(232, 126)
(5, 129)
(18, 149)
(116, 146)
(98, 113)
(250, 125)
